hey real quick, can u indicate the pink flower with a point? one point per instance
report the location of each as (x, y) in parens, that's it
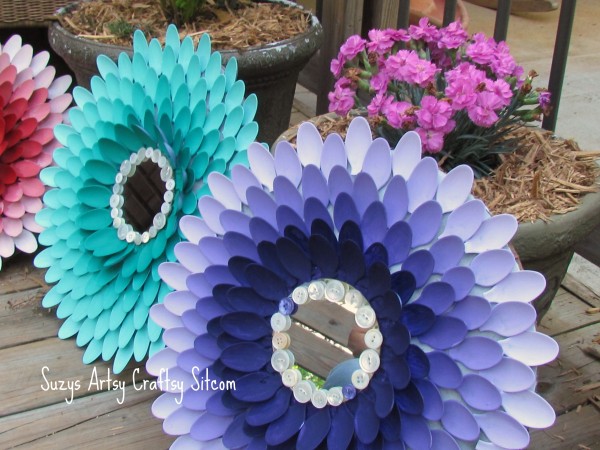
(452, 36)
(352, 47)
(421, 72)
(397, 65)
(380, 102)
(502, 90)
(544, 100)
(396, 114)
(424, 31)
(482, 50)
(336, 66)
(435, 114)
(381, 41)
(503, 64)
(341, 100)
(432, 140)
(483, 113)
(468, 71)
(462, 93)
(379, 81)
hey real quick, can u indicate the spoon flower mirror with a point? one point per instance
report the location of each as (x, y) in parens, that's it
(134, 160)
(32, 102)
(421, 332)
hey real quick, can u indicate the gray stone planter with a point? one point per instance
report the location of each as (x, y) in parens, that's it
(270, 71)
(546, 247)
(549, 247)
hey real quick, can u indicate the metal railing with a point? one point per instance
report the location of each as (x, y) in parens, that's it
(561, 46)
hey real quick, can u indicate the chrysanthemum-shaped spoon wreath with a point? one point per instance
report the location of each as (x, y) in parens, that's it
(170, 113)
(32, 102)
(452, 306)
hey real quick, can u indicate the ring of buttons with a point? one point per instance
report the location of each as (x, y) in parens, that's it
(283, 360)
(128, 168)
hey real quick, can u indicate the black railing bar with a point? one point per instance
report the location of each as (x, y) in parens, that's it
(559, 60)
(449, 11)
(403, 14)
(502, 16)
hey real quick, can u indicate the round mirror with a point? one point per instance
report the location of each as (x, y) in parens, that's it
(326, 342)
(142, 196)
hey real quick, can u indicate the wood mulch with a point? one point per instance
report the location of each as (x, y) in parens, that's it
(547, 175)
(250, 25)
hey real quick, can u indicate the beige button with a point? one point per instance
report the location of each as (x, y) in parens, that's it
(300, 295)
(316, 290)
(373, 338)
(360, 379)
(335, 396)
(354, 298)
(279, 322)
(290, 377)
(369, 360)
(365, 317)
(335, 291)
(281, 341)
(303, 391)
(319, 398)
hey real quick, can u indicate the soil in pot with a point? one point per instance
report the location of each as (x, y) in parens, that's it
(271, 40)
(549, 184)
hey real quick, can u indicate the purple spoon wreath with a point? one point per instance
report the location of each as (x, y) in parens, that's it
(458, 336)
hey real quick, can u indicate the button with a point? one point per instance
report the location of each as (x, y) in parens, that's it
(170, 184)
(137, 240)
(162, 162)
(155, 155)
(281, 341)
(159, 220)
(335, 396)
(369, 360)
(130, 236)
(287, 306)
(116, 201)
(165, 208)
(349, 392)
(133, 158)
(119, 178)
(148, 153)
(335, 291)
(125, 167)
(300, 295)
(319, 398)
(152, 231)
(117, 189)
(291, 377)
(316, 290)
(373, 338)
(360, 379)
(303, 391)
(282, 360)
(166, 173)
(145, 237)
(168, 196)
(280, 322)
(365, 317)
(122, 232)
(354, 298)
(117, 222)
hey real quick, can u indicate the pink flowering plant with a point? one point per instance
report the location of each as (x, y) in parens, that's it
(463, 95)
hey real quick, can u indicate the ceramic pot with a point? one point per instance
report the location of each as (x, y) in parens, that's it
(270, 71)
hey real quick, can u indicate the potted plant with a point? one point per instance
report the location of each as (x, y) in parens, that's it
(269, 64)
(468, 100)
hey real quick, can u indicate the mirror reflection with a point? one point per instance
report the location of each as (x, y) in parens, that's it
(326, 342)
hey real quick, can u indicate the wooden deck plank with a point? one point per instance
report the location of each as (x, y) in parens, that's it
(577, 430)
(22, 380)
(563, 382)
(19, 274)
(581, 290)
(568, 313)
(130, 426)
(30, 426)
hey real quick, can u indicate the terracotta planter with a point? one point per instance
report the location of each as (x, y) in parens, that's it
(546, 247)
(270, 71)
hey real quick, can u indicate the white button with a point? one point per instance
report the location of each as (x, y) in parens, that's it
(122, 232)
(279, 322)
(335, 396)
(373, 338)
(300, 295)
(170, 184)
(137, 239)
(360, 379)
(365, 317)
(168, 196)
(145, 237)
(316, 290)
(125, 167)
(148, 153)
(152, 231)
(282, 360)
(290, 377)
(281, 341)
(159, 220)
(335, 291)
(116, 201)
(130, 237)
(155, 155)
(117, 188)
(319, 398)
(354, 298)
(117, 222)
(166, 173)
(303, 391)
(119, 178)
(165, 208)
(133, 158)
(162, 162)
(369, 360)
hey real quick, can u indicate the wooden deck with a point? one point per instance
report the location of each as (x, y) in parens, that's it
(33, 418)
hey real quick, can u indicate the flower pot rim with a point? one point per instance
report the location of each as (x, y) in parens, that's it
(315, 29)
